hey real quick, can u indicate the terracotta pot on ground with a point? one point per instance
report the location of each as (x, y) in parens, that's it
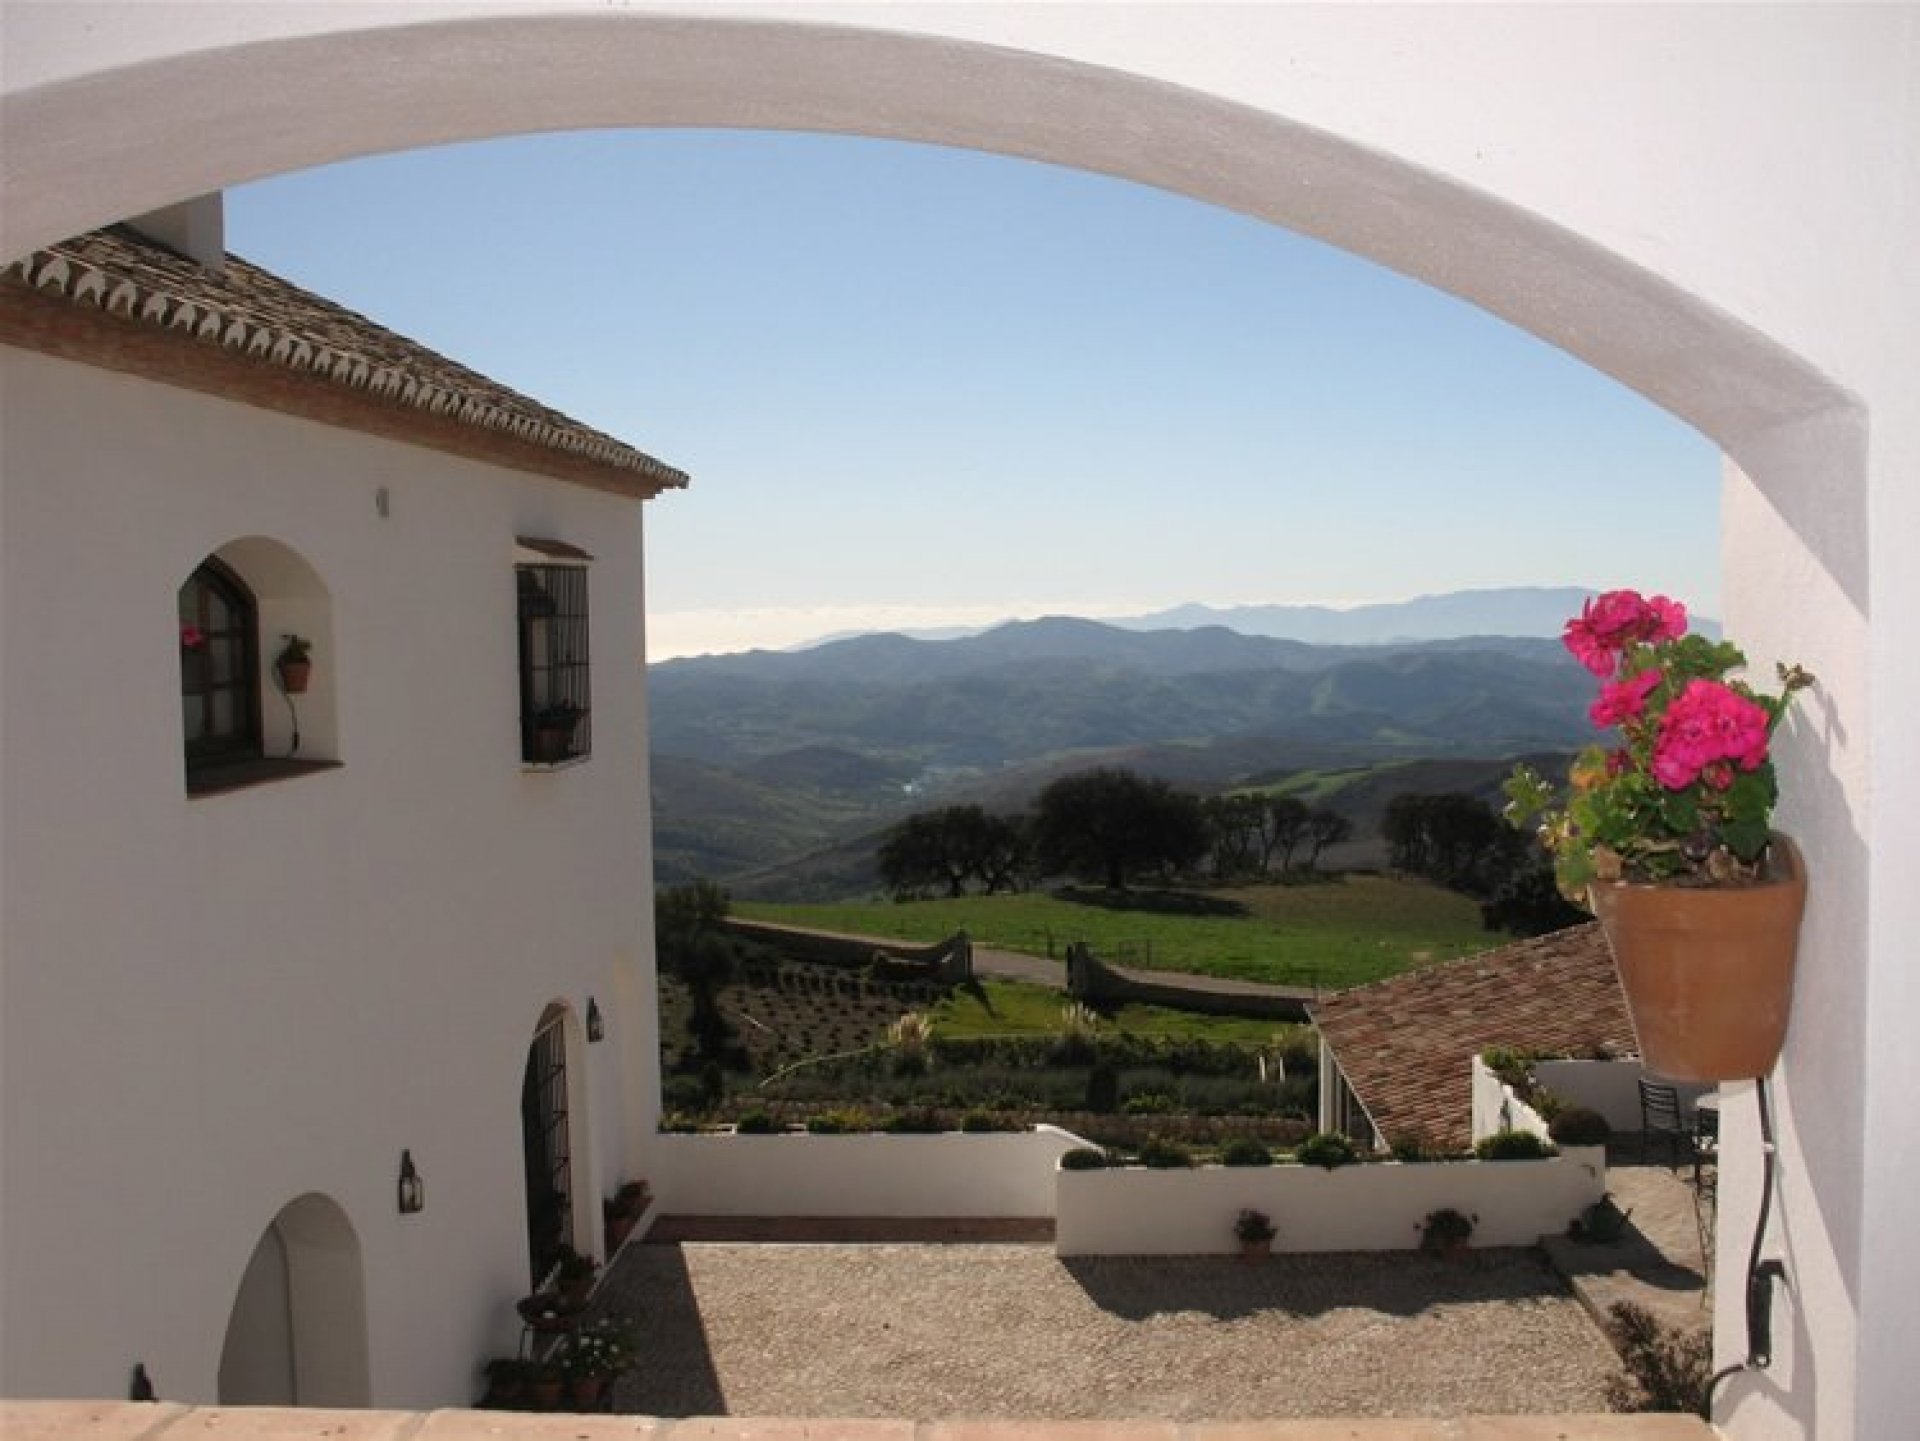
(1708, 972)
(1252, 1253)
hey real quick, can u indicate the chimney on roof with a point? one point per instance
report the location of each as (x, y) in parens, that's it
(196, 229)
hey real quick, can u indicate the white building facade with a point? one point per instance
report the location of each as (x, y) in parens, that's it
(1717, 205)
(240, 989)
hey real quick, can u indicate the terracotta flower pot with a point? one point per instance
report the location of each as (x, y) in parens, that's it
(1708, 972)
(294, 675)
(1253, 1253)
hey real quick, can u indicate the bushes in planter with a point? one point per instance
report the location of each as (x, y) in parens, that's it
(1512, 1146)
(1083, 1158)
(1245, 1151)
(1164, 1155)
(1580, 1126)
(1326, 1148)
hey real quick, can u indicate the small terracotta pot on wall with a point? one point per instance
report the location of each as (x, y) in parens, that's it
(1708, 971)
(294, 675)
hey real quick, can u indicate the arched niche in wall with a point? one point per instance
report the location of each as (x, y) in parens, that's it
(238, 608)
(297, 1334)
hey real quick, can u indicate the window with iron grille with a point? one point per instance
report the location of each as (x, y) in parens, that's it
(219, 670)
(548, 1151)
(556, 698)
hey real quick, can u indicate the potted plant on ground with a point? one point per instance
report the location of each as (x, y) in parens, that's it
(1255, 1232)
(506, 1382)
(546, 1385)
(601, 1351)
(1665, 836)
(1446, 1232)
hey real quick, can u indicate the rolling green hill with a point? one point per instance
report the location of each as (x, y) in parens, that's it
(1331, 934)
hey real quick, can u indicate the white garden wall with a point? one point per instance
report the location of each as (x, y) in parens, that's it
(1376, 1206)
(1609, 1087)
(952, 1175)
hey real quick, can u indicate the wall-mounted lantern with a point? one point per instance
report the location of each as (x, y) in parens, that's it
(413, 1191)
(596, 1026)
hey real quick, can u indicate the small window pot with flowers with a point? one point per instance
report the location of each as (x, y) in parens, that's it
(1665, 836)
(553, 727)
(294, 664)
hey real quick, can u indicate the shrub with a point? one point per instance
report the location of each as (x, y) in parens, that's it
(1083, 1158)
(976, 1122)
(1512, 1146)
(1326, 1148)
(1164, 1155)
(1580, 1126)
(913, 1121)
(1416, 1146)
(1149, 1103)
(1245, 1151)
(757, 1123)
(1546, 1104)
(1667, 1369)
(838, 1123)
(683, 1093)
(1103, 1088)
(679, 1123)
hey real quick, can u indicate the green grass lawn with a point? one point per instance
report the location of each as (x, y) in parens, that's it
(1015, 1008)
(1332, 934)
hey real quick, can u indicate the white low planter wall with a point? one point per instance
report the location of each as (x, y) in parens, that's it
(1376, 1206)
(950, 1175)
(1496, 1108)
(1609, 1087)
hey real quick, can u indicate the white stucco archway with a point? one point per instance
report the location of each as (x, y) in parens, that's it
(1712, 204)
(297, 1335)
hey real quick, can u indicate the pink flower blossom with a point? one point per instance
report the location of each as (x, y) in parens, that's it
(1623, 700)
(1609, 623)
(1708, 723)
(191, 636)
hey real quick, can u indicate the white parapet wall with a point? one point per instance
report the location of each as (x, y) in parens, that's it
(1497, 1108)
(1374, 1206)
(1007, 1174)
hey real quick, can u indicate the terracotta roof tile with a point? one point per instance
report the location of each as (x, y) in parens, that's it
(1406, 1043)
(252, 312)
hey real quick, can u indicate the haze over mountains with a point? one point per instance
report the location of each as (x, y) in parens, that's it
(763, 758)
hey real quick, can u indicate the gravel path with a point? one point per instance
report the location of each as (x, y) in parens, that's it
(930, 1332)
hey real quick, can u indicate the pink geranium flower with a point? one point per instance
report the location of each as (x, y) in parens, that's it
(1609, 623)
(1686, 792)
(1708, 723)
(1623, 700)
(192, 637)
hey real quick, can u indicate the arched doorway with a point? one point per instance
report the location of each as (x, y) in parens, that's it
(297, 1334)
(551, 1102)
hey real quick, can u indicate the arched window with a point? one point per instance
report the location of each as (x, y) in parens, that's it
(219, 670)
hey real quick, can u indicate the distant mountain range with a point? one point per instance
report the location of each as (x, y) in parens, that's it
(763, 758)
(1510, 611)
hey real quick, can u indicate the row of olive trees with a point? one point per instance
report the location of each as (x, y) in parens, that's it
(1461, 842)
(1106, 827)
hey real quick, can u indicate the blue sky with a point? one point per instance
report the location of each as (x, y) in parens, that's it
(919, 386)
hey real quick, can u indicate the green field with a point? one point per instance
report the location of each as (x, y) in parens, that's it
(1333, 934)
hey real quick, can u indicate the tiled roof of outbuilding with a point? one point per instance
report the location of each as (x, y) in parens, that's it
(1406, 1044)
(249, 312)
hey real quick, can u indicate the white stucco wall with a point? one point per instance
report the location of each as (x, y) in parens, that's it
(1378, 1206)
(955, 1175)
(1717, 205)
(216, 1005)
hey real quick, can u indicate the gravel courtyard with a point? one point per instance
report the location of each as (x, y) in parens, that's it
(927, 1332)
